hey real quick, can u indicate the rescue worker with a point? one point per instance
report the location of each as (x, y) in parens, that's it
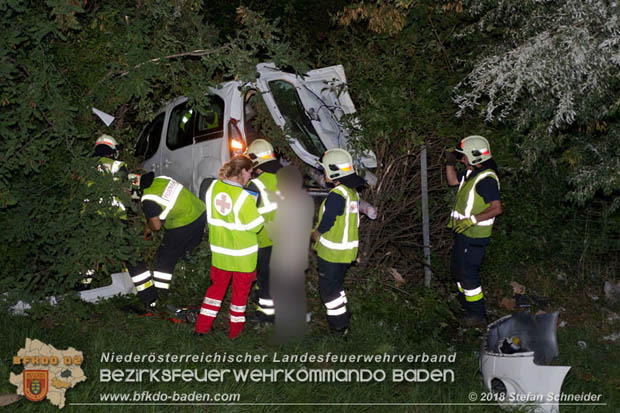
(336, 235)
(233, 222)
(265, 168)
(476, 206)
(167, 204)
(107, 149)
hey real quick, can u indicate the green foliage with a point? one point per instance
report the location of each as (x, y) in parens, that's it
(64, 226)
(59, 59)
(551, 70)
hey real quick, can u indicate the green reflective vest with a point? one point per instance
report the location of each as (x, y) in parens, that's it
(179, 206)
(340, 243)
(111, 166)
(469, 203)
(267, 208)
(233, 222)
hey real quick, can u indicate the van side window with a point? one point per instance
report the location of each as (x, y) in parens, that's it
(148, 142)
(249, 116)
(210, 123)
(181, 127)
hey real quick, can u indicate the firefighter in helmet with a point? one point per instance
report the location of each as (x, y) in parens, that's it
(169, 205)
(336, 235)
(265, 168)
(107, 150)
(477, 204)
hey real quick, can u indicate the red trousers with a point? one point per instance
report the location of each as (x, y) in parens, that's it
(242, 282)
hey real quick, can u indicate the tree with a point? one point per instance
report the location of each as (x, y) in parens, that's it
(551, 69)
(59, 59)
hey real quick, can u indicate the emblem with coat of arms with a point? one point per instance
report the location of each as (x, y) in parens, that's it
(36, 384)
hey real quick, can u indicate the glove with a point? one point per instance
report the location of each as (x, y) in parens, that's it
(450, 158)
(134, 180)
(463, 224)
(368, 210)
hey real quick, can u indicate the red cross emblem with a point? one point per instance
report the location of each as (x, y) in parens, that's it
(223, 203)
(354, 208)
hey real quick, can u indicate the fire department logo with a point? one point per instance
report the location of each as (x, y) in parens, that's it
(48, 373)
(354, 208)
(223, 203)
(36, 384)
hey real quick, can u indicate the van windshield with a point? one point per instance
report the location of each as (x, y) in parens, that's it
(298, 125)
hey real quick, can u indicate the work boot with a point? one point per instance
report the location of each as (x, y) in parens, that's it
(472, 321)
(150, 307)
(342, 333)
(259, 317)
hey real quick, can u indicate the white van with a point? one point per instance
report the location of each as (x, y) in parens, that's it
(190, 146)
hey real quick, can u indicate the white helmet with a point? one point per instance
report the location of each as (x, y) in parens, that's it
(108, 141)
(337, 163)
(476, 148)
(260, 151)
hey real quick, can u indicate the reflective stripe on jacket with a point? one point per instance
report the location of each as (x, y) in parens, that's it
(110, 165)
(266, 182)
(340, 243)
(469, 203)
(179, 206)
(233, 222)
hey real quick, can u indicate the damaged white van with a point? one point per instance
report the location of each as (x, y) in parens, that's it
(190, 145)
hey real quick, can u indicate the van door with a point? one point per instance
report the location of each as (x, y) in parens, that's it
(208, 143)
(310, 109)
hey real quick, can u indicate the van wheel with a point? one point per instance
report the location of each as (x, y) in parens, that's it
(203, 188)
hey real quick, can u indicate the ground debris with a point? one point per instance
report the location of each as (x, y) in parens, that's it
(612, 337)
(612, 290)
(6, 399)
(398, 279)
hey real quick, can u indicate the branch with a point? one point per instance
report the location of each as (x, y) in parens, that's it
(443, 49)
(198, 52)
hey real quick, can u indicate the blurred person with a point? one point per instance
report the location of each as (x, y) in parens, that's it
(289, 259)
(234, 221)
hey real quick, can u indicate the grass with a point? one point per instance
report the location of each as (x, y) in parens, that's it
(410, 321)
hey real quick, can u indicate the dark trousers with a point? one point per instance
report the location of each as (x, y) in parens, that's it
(176, 243)
(331, 278)
(179, 241)
(266, 309)
(467, 255)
